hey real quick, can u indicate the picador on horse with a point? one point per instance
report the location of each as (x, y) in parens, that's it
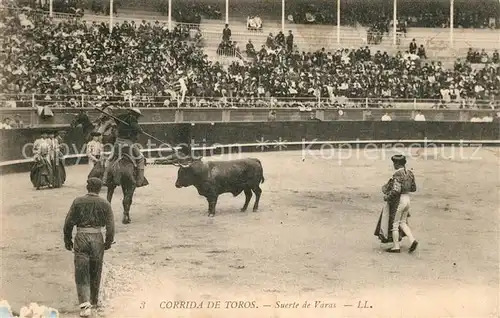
(128, 130)
(104, 122)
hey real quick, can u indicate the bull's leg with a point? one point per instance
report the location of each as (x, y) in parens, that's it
(248, 196)
(257, 192)
(212, 202)
(128, 194)
(111, 190)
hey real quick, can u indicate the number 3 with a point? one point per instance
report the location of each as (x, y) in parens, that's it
(143, 304)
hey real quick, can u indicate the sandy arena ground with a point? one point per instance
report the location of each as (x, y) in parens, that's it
(312, 240)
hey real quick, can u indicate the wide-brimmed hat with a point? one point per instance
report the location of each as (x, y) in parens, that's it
(399, 159)
(136, 110)
(95, 134)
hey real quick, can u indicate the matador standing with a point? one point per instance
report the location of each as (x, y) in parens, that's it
(397, 194)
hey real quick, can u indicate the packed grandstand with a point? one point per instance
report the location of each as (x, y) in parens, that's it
(60, 60)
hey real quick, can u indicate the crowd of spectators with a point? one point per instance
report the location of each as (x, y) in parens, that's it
(417, 50)
(272, 42)
(228, 48)
(183, 11)
(72, 57)
(75, 58)
(73, 7)
(467, 14)
(373, 13)
(254, 23)
(474, 56)
(189, 11)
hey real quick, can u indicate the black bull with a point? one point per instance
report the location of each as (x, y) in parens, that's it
(213, 178)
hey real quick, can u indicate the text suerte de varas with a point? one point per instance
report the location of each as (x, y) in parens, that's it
(305, 304)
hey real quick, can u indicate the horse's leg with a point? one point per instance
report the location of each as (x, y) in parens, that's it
(128, 193)
(111, 190)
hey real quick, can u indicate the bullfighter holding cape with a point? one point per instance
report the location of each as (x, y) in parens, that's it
(56, 160)
(392, 225)
(42, 171)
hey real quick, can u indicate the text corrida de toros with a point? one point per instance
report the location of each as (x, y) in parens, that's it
(227, 304)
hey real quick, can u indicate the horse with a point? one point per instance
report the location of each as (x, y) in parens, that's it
(122, 173)
(107, 128)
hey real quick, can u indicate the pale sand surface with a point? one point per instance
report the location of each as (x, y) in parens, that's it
(312, 240)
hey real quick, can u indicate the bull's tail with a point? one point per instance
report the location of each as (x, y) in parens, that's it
(262, 179)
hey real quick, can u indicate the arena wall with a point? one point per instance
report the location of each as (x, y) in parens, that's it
(16, 144)
(404, 111)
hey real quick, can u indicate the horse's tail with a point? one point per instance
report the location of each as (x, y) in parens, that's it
(122, 170)
(97, 171)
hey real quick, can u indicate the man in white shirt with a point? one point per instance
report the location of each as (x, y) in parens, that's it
(94, 149)
(5, 124)
(41, 148)
(386, 117)
(478, 89)
(419, 116)
(183, 91)
(445, 94)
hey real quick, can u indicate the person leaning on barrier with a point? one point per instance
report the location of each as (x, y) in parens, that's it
(271, 116)
(419, 116)
(17, 122)
(89, 213)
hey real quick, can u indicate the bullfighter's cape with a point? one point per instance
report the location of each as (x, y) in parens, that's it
(59, 172)
(383, 230)
(41, 173)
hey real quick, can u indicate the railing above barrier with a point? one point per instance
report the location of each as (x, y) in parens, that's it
(173, 99)
(62, 117)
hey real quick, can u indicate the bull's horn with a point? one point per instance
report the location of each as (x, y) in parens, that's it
(184, 166)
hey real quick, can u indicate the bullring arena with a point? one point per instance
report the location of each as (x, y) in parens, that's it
(358, 80)
(312, 240)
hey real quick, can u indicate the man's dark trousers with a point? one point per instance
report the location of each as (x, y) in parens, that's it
(89, 255)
